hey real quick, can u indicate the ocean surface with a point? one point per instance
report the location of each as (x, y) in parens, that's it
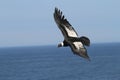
(52, 63)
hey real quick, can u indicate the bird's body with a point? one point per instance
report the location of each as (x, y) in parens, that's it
(71, 37)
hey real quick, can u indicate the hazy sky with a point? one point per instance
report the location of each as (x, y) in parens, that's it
(31, 22)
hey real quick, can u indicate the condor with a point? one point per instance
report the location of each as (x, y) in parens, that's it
(71, 38)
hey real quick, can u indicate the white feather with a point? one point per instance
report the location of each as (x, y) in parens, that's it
(78, 45)
(62, 44)
(71, 33)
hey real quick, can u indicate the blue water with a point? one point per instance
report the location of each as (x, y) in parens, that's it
(52, 63)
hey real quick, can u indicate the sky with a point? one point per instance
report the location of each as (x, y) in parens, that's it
(31, 22)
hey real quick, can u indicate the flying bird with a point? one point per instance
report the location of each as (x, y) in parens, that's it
(71, 38)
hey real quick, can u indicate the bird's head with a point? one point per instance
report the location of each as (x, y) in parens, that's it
(61, 44)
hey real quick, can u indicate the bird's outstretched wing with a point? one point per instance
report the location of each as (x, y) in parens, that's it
(79, 49)
(65, 27)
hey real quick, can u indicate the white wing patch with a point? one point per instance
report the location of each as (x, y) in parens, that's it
(71, 33)
(78, 45)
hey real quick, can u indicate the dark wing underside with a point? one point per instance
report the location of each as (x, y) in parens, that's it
(65, 27)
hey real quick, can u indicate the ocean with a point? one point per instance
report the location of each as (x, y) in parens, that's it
(52, 63)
